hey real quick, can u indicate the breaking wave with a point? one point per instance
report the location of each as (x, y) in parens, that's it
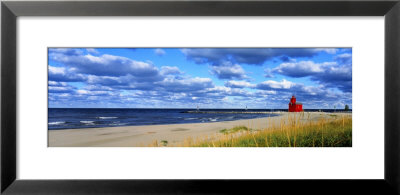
(57, 123)
(107, 117)
(87, 122)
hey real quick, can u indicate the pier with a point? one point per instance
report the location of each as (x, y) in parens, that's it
(226, 112)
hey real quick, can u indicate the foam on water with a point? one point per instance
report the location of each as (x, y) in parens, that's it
(87, 122)
(107, 117)
(57, 123)
(190, 118)
(73, 118)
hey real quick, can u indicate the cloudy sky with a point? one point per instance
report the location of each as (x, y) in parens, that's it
(204, 77)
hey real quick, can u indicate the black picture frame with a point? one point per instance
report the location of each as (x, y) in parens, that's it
(10, 10)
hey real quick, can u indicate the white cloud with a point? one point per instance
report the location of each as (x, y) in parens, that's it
(270, 84)
(56, 70)
(159, 52)
(92, 50)
(166, 70)
(189, 84)
(328, 50)
(106, 65)
(64, 74)
(239, 84)
(302, 68)
(55, 83)
(330, 74)
(87, 92)
(229, 72)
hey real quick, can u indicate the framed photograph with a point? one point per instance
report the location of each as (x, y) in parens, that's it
(121, 97)
(199, 97)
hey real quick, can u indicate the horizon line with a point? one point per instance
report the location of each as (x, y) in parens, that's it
(203, 108)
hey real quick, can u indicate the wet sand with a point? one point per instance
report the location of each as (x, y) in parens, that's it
(174, 133)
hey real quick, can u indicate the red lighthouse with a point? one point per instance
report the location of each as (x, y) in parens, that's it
(295, 106)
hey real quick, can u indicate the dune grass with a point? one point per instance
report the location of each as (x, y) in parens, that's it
(295, 131)
(235, 130)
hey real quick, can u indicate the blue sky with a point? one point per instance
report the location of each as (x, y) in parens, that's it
(204, 77)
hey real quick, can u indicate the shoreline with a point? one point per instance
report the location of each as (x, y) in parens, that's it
(128, 136)
(210, 121)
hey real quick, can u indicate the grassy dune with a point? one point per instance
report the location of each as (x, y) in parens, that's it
(297, 131)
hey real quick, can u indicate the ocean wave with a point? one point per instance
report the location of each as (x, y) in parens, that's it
(107, 117)
(87, 122)
(57, 123)
(118, 124)
(190, 118)
(213, 119)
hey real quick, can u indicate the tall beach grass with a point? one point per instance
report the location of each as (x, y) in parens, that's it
(297, 130)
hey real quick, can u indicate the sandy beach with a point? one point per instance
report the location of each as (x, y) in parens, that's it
(128, 136)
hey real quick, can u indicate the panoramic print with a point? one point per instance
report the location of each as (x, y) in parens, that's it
(199, 97)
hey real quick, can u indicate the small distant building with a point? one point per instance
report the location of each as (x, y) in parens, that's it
(295, 106)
